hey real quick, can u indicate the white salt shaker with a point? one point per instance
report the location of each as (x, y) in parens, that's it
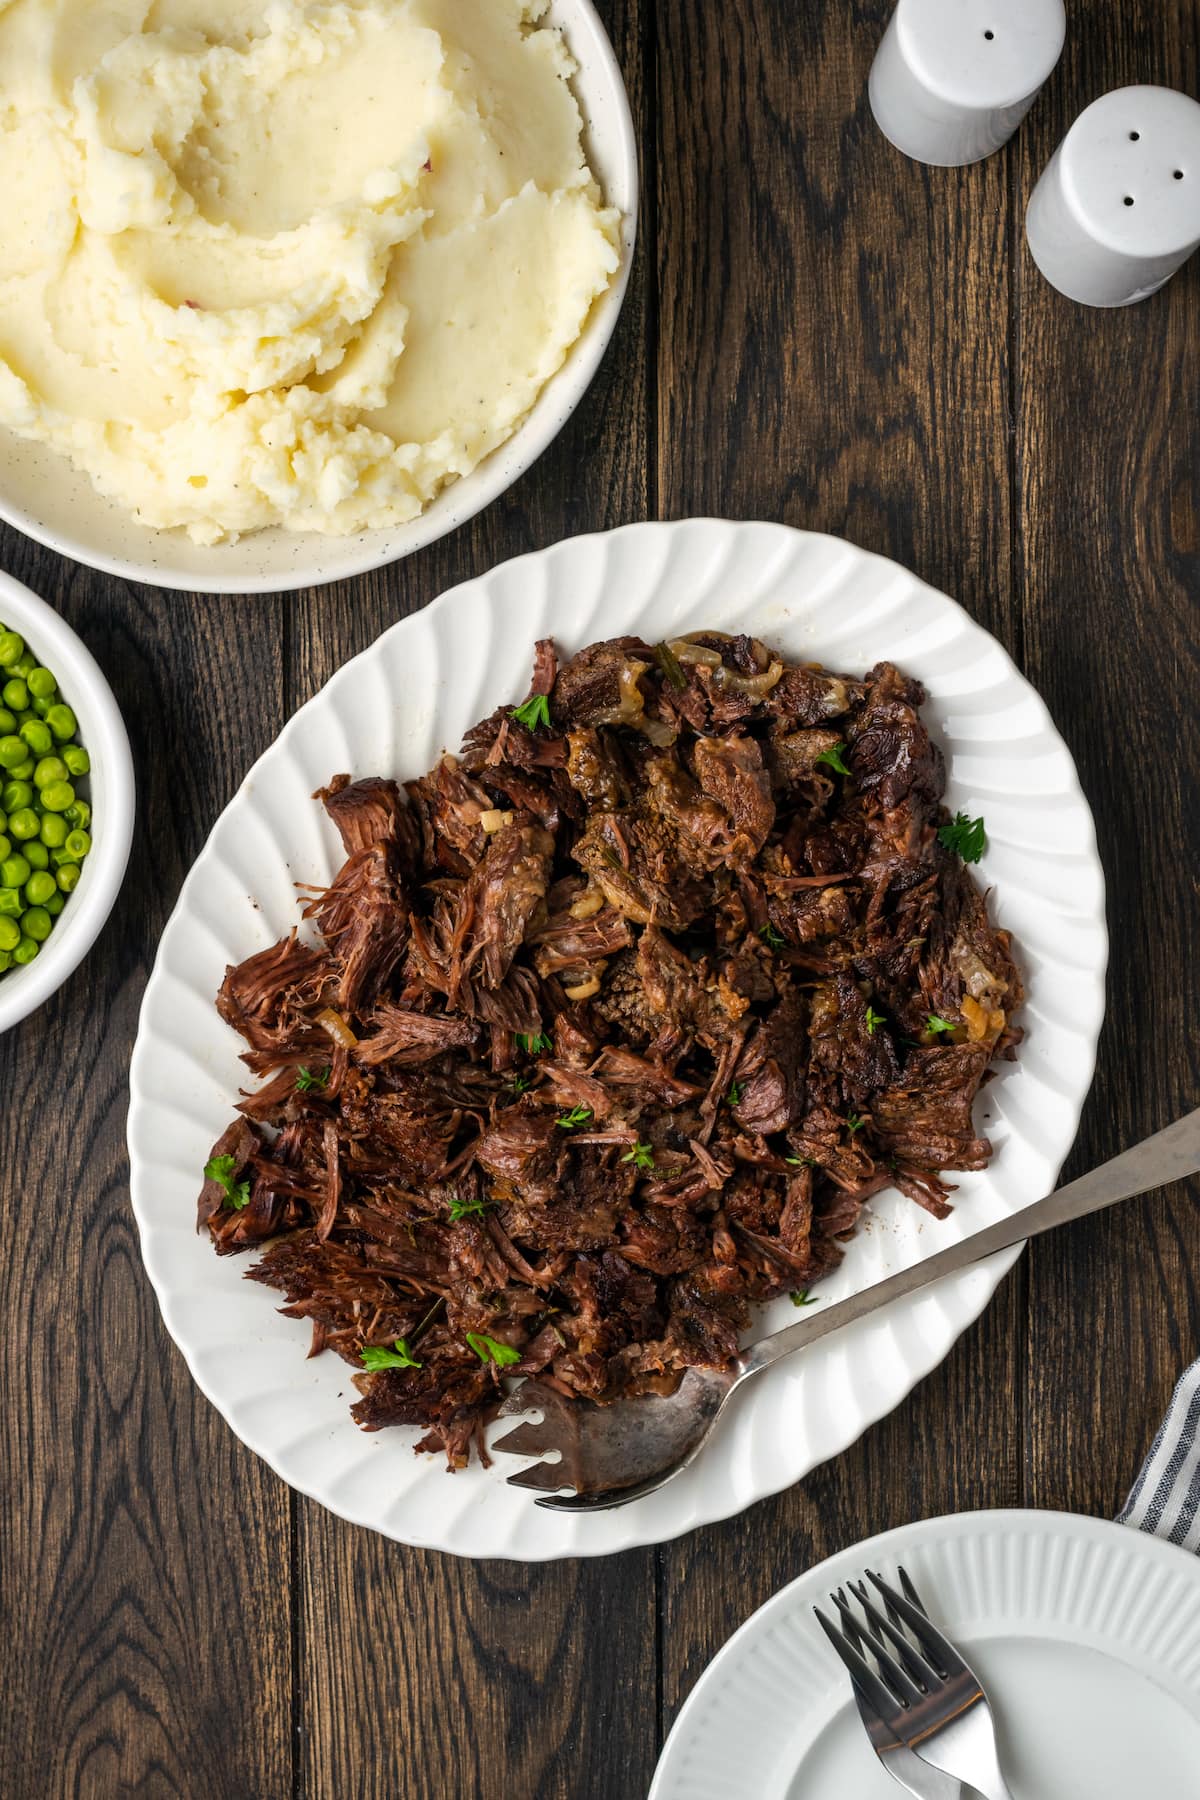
(953, 79)
(1117, 208)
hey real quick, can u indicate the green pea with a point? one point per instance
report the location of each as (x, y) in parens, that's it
(55, 905)
(53, 831)
(57, 796)
(13, 750)
(36, 854)
(42, 707)
(11, 903)
(79, 815)
(14, 795)
(68, 876)
(12, 648)
(25, 664)
(50, 768)
(38, 735)
(39, 888)
(6, 848)
(27, 949)
(24, 823)
(10, 934)
(60, 858)
(8, 722)
(15, 695)
(41, 684)
(62, 722)
(78, 843)
(14, 871)
(24, 770)
(5, 962)
(77, 759)
(37, 924)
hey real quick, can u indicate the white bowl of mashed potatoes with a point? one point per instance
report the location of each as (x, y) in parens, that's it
(290, 289)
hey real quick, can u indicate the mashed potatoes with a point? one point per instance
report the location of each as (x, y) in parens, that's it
(264, 262)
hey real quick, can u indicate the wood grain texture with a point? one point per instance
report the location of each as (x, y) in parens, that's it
(818, 331)
(1108, 515)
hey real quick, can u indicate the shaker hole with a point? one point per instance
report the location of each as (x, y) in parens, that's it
(1179, 174)
(989, 35)
(1129, 199)
(1134, 136)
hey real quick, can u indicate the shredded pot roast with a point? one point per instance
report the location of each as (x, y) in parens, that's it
(610, 1027)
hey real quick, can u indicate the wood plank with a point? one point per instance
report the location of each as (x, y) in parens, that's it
(422, 1677)
(143, 1560)
(833, 353)
(1108, 441)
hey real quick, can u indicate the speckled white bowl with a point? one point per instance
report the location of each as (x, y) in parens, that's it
(111, 795)
(45, 497)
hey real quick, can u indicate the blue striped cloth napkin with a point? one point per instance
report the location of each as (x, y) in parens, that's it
(1165, 1498)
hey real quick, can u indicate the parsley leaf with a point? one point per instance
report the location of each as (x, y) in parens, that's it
(801, 1162)
(220, 1169)
(378, 1356)
(833, 758)
(641, 1154)
(774, 939)
(306, 1080)
(519, 1083)
(668, 662)
(855, 1121)
(804, 1298)
(967, 836)
(874, 1020)
(734, 1096)
(532, 1043)
(570, 1121)
(934, 1024)
(463, 1209)
(532, 712)
(488, 1350)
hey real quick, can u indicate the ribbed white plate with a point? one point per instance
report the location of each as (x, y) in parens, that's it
(393, 710)
(1085, 1634)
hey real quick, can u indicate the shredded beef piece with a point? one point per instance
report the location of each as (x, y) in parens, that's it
(615, 1025)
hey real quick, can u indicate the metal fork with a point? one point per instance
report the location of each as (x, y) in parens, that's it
(617, 1453)
(913, 1687)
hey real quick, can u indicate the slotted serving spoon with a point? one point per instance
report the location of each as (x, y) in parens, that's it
(613, 1454)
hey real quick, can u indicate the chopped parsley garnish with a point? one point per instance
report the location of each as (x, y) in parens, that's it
(488, 1350)
(801, 1162)
(378, 1356)
(532, 712)
(464, 1209)
(874, 1020)
(570, 1121)
(668, 662)
(833, 758)
(220, 1169)
(804, 1298)
(855, 1121)
(532, 1043)
(641, 1154)
(734, 1096)
(967, 836)
(774, 939)
(934, 1024)
(520, 1082)
(306, 1080)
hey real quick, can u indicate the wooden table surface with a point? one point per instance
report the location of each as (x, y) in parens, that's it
(818, 331)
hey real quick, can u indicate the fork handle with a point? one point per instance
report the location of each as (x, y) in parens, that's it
(1167, 1156)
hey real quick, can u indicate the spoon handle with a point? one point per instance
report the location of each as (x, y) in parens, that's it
(1167, 1156)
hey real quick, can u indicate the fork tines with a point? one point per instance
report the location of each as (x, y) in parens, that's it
(896, 1656)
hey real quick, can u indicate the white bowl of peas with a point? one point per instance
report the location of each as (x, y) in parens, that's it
(66, 801)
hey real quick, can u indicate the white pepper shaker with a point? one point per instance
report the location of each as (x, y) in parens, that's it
(953, 79)
(1117, 208)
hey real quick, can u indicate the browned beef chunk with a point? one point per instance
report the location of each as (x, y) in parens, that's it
(892, 756)
(731, 771)
(371, 811)
(505, 892)
(410, 1038)
(601, 685)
